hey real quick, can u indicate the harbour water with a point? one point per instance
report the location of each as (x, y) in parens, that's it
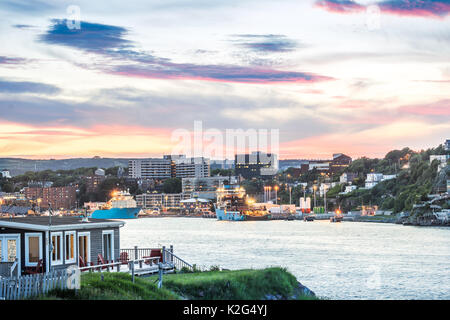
(349, 260)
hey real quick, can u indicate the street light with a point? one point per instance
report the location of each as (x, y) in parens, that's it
(290, 195)
(276, 194)
(314, 188)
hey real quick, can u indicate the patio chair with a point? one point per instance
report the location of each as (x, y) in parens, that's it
(123, 257)
(39, 268)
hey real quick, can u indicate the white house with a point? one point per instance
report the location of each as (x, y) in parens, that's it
(349, 189)
(442, 159)
(372, 180)
(5, 174)
(388, 177)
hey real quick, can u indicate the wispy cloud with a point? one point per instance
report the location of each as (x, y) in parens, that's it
(340, 6)
(439, 108)
(27, 87)
(416, 8)
(265, 43)
(9, 60)
(109, 41)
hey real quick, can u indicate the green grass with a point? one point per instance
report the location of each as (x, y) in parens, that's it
(115, 286)
(211, 285)
(234, 285)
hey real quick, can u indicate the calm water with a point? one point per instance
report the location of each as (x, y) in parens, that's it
(348, 260)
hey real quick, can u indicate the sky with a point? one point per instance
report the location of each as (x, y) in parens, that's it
(118, 78)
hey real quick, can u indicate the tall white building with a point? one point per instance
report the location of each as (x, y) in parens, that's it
(168, 167)
(191, 167)
(150, 168)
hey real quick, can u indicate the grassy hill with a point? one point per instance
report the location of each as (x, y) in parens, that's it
(19, 166)
(416, 179)
(270, 283)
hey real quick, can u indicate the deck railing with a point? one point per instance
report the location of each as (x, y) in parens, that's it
(139, 253)
(117, 265)
(177, 262)
(166, 254)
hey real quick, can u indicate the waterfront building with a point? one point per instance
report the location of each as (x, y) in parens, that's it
(205, 187)
(75, 242)
(256, 165)
(194, 205)
(161, 200)
(57, 197)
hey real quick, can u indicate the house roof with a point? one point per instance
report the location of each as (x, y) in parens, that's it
(57, 223)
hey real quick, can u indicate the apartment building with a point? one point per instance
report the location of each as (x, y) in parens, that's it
(153, 168)
(256, 165)
(57, 197)
(169, 166)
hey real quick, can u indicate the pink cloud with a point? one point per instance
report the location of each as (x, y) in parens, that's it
(437, 9)
(340, 6)
(440, 108)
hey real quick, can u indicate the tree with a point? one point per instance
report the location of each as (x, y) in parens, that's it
(172, 185)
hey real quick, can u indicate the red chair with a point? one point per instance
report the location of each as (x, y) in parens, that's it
(101, 260)
(39, 268)
(81, 262)
(123, 257)
(156, 253)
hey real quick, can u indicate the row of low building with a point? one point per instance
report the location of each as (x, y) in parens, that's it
(192, 188)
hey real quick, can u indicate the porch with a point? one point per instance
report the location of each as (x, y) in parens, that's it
(141, 262)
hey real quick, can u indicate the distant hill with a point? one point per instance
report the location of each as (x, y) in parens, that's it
(18, 166)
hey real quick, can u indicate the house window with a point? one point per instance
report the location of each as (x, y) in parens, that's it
(69, 244)
(33, 249)
(108, 245)
(57, 248)
(84, 248)
(9, 247)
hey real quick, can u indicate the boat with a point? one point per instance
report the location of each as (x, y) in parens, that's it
(121, 206)
(233, 205)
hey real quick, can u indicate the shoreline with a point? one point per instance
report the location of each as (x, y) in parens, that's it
(345, 220)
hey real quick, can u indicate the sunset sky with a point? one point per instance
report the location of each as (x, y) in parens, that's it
(331, 75)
